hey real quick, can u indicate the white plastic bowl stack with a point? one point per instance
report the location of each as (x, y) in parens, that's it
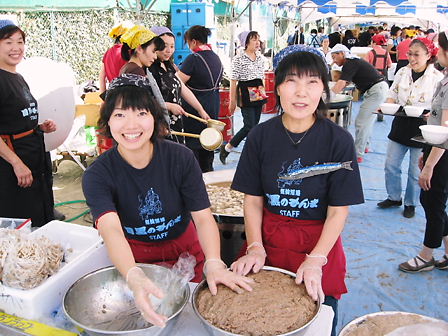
(413, 111)
(434, 134)
(388, 108)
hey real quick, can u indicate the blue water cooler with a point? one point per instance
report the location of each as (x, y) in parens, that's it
(187, 14)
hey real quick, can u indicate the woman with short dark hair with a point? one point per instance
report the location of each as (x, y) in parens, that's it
(25, 166)
(299, 174)
(201, 72)
(246, 88)
(144, 195)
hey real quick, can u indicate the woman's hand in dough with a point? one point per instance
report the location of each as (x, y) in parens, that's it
(254, 260)
(217, 273)
(23, 174)
(142, 288)
(48, 126)
(310, 273)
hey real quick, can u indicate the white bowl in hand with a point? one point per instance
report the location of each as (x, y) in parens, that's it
(434, 134)
(388, 108)
(413, 111)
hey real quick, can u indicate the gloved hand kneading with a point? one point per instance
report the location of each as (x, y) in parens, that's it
(216, 273)
(142, 287)
(310, 272)
(253, 260)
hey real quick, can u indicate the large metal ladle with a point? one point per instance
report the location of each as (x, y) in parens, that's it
(210, 138)
(216, 124)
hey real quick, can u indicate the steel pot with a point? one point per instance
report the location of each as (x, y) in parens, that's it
(219, 332)
(100, 301)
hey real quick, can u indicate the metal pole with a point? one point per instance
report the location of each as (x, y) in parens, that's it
(250, 15)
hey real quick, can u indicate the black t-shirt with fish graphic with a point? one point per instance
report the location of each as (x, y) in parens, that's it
(154, 202)
(300, 181)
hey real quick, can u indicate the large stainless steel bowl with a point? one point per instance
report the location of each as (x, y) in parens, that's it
(360, 321)
(220, 332)
(102, 304)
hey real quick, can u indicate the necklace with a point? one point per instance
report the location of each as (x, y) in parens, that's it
(295, 143)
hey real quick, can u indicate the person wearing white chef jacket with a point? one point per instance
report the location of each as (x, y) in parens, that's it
(433, 180)
(145, 193)
(296, 199)
(25, 166)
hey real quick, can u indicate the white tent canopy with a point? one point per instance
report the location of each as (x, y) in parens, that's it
(424, 13)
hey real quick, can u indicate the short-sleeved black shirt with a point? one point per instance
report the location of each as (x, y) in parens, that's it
(18, 112)
(360, 72)
(153, 203)
(269, 154)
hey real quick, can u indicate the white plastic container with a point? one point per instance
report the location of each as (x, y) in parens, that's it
(88, 253)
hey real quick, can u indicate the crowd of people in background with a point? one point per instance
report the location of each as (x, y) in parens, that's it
(154, 177)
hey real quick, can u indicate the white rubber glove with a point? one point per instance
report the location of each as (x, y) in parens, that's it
(216, 273)
(310, 273)
(142, 288)
(254, 260)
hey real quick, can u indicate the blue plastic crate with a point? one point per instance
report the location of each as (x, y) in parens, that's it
(178, 32)
(180, 56)
(201, 14)
(179, 14)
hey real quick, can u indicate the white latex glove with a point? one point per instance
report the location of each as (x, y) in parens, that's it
(310, 273)
(216, 273)
(254, 260)
(142, 288)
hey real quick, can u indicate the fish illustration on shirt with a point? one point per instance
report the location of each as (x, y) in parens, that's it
(317, 169)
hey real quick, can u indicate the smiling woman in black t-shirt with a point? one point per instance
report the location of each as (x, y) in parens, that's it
(25, 166)
(299, 175)
(144, 194)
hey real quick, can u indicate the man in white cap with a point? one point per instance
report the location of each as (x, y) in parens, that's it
(369, 82)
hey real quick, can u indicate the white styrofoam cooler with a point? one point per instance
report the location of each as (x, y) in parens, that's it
(88, 253)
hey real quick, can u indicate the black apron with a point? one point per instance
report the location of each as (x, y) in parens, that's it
(35, 202)
(209, 99)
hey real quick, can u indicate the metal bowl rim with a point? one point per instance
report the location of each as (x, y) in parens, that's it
(266, 268)
(391, 312)
(110, 332)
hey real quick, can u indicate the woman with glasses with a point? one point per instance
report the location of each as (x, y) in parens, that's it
(413, 85)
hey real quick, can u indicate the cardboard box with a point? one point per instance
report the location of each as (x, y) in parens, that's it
(88, 254)
(91, 111)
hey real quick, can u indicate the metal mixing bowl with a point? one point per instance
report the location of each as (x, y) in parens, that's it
(102, 304)
(220, 332)
(351, 326)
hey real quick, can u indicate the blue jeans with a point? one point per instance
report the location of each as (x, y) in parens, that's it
(333, 303)
(365, 119)
(394, 159)
(251, 117)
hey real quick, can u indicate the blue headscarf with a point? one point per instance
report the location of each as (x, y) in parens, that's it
(293, 49)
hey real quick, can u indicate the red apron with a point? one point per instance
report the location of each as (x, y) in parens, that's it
(168, 252)
(287, 240)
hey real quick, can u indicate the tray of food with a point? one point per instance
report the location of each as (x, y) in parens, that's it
(40, 266)
(226, 204)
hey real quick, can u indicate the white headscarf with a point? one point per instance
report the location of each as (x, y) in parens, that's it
(342, 48)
